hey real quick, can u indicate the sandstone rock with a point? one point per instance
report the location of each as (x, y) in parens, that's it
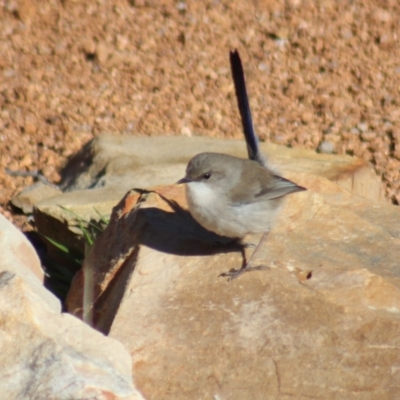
(127, 162)
(58, 217)
(29, 196)
(47, 355)
(18, 256)
(321, 322)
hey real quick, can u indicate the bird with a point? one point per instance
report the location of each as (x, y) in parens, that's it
(232, 196)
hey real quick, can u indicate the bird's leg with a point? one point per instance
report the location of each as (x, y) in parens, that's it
(235, 273)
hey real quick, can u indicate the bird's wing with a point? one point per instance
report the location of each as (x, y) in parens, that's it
(278, 187)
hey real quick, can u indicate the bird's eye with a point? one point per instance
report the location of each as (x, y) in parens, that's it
(206, 176)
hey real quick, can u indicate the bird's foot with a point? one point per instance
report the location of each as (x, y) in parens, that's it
(235, 273)
(248, 245)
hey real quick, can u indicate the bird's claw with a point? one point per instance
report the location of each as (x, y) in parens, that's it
(235, 273)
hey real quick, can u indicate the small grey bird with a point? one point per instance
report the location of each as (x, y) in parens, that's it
(231, 196)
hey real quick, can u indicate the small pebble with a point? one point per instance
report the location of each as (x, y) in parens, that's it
(326, 148)
(362, 127)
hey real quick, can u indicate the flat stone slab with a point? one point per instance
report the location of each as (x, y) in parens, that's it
(140, 161)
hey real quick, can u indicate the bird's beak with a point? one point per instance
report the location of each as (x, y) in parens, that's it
(183, 180)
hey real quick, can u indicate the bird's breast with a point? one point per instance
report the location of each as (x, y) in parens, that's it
(200, 195)
(214, 212)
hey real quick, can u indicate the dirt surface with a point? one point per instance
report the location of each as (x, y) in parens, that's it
(321, 74)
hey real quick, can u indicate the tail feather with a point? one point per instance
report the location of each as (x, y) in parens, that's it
(244, 108)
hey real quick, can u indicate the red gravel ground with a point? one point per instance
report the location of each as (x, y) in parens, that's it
(321, 74)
